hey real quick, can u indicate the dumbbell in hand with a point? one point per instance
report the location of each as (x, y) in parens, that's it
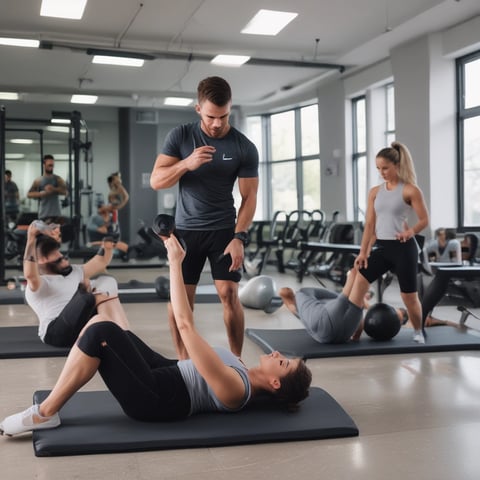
(164, 226)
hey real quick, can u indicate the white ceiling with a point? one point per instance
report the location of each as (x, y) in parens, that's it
(350, 33)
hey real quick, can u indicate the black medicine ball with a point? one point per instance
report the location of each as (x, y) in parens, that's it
(381, 322)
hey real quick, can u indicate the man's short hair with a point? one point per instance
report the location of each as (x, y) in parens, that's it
(47, 157)
(8, 172)
(45, 245)
(216, 90)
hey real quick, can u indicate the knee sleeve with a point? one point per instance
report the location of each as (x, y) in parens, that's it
(105, 284)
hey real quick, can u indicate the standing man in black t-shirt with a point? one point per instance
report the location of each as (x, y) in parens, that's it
(12, 197)
(205, 158)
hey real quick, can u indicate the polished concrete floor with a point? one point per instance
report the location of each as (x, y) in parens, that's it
(418, 414)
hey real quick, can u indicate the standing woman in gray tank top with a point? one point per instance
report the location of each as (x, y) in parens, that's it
(389, 206)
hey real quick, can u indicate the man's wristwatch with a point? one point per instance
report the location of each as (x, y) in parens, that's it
(243, 236)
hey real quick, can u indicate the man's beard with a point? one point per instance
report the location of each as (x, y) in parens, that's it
(60, 271)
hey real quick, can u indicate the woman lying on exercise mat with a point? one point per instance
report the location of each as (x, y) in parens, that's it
(150, 387)
(330, 317)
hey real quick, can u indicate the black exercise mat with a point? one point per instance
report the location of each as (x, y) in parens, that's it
(12, 297)
(24, 342)
(92, 423)
(137, 292)
(298, 343)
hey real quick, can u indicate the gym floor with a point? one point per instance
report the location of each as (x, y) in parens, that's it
(418, 414)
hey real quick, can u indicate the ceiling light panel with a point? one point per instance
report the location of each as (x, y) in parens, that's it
(9, 96)
(123, 61)
(268, 22)
(85, 99)
(71, 9)
(230, 60)
(178, 101)
(19, 42)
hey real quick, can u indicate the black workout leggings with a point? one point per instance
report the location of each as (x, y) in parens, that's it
(400, 258)
(64, 330)
(147, 386)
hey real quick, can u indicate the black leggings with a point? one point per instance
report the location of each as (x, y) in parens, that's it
(64, 330)
(400, 258)
(147, 386)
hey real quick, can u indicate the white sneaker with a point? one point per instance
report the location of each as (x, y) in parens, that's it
(104, 285)
(418, 337)
(24, 422)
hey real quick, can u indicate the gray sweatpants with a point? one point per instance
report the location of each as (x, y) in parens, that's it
(327, 316)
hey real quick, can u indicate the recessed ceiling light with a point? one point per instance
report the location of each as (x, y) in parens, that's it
(124, 61)
(178, 101)
(268, 22)
(87, 99)
(8, 96)
(72, 9)
(22, 141)
(19, 42)
(230, 60)
(14, 156)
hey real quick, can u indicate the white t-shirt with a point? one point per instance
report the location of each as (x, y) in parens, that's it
(54, 293)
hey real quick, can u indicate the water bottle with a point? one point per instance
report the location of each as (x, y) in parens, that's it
(44, 227)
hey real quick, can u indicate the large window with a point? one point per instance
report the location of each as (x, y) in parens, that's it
(359, 158)
(468, 75)
(390, 113)
(254, 131)
(290, 160)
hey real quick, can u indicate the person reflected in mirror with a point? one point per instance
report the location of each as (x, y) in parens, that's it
(118, 196)
(11, 198)
(47, 189)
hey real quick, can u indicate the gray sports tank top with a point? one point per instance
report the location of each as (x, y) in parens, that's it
(391, 211)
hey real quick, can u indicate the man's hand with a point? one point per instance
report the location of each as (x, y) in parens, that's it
(200, 156)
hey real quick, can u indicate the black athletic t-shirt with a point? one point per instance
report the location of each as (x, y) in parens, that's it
(205, 198)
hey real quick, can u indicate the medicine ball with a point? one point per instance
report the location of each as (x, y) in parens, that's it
(259, 293)
(381, 322)
(162, 287)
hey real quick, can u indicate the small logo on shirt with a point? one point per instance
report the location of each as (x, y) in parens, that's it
(226, 158)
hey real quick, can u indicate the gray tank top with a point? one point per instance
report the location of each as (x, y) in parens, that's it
(391, 212)
(49, 206)
(202, 398)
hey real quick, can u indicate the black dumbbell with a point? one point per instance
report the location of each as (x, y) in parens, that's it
(164, 226)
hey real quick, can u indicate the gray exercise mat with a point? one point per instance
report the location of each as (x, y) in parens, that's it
(93, 422)
(24, 342)
(298, 343)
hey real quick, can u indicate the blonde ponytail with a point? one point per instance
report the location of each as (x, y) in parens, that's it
(399, 155)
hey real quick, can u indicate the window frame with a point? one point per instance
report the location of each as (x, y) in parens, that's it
(462, 115)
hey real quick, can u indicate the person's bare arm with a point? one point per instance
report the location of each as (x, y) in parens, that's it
(414, 197)
(167, 170)
(225, 382)
(34, 191)
(101, 260)
(248, 188)
(30, 265)
(369, 235)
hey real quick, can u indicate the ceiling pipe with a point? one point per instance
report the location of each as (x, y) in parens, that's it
(187, 56)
